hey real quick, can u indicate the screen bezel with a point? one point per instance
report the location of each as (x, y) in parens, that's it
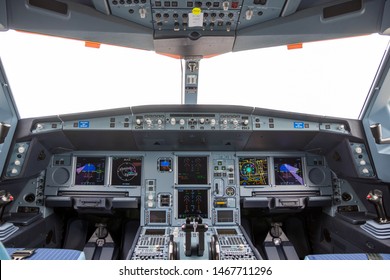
(302, 168)
(158, 210)
(126, 157)
(254, 157)
(217, 211)
(192, 188)
(181, 184)
(75, 161)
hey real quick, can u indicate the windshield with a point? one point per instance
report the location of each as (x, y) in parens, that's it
(51, 76)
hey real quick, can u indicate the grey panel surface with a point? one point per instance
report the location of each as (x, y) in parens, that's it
(173, 27)
(9, 115)
(158, 187)
(3, 16)
(81, 22)
(376, 111)
(385, 27)
(309, 25)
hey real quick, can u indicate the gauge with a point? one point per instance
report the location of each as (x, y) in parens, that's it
(126, 171)
(165, 164)
(230, 191)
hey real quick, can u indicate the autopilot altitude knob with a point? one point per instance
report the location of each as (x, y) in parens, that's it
(376, 198)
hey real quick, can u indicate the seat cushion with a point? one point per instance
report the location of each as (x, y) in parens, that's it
(52, 254)
(357, 256)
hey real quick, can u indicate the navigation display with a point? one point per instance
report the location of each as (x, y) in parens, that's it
(192, 170)
(90, 170)
(126, 171)
(288, 171)
(253, 171)
(192, 203)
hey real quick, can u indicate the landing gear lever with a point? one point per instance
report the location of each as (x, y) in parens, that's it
(376, 197)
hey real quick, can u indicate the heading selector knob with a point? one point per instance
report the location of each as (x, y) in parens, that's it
(201, 120)
(173, 121)
(245, 122)
(182, 122)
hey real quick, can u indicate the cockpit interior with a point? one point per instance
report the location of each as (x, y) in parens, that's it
(196, 181)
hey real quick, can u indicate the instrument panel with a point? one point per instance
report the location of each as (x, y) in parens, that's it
(174, 186)
(190, 202)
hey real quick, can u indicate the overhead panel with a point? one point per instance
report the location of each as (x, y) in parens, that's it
(205, 17)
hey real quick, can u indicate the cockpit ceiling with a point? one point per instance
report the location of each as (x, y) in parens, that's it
(196, 28)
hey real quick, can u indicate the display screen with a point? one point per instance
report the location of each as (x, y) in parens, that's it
(90, 170)
(155, 231)
(288, 171)
(253, 171)
(126, 171)
(225, 216)
(192, 170)
(192, 203)
(158, 217)
(227, 231)
(165, 164)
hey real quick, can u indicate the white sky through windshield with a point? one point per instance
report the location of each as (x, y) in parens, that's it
(50, 76)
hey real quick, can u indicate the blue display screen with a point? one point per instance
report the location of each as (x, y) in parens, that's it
(288, 171)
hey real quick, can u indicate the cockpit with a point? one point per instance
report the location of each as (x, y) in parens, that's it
(196, 181)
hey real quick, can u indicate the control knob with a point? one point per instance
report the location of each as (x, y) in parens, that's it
(212, 122)
(182, 122)
(245, 122)
(365, 171)
(138, 121)
(235, 122)
(201, 120)
(173, 121)
(358, 150)
(149, 122)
